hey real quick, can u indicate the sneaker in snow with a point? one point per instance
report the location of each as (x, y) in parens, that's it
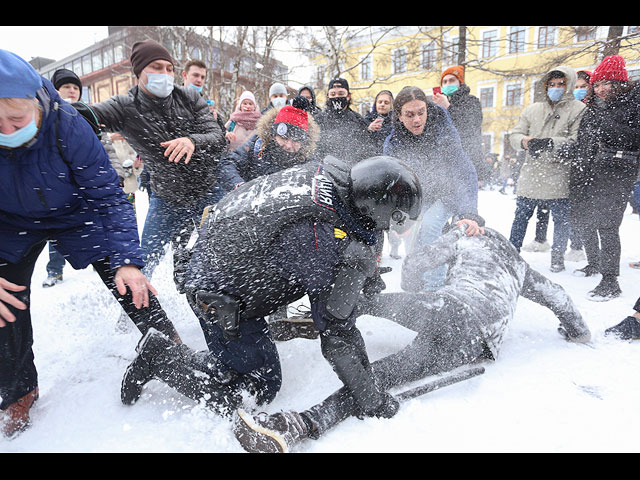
(52, 280)
(263, 433)
(574, 255)
(537, 247)
(635, 265)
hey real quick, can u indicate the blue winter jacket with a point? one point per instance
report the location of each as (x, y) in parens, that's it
(437, 156)
(75, 200)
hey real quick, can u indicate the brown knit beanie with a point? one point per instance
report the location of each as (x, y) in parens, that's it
(145, 52)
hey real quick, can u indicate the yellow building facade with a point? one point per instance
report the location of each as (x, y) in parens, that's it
(502, 65)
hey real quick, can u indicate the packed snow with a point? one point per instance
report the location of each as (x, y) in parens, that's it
(543, 394)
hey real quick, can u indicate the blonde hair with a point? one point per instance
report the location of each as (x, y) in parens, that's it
(19, 103)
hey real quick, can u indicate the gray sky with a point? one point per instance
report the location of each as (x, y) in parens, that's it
(55, 42)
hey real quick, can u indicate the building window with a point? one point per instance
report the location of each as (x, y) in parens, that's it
(584, 34)
(516, 39)
(96, 60)
(486, 97)
(450, 52)
(546, 36)
(429, 56)
(513, 96)
(108, 56)
(118, 53)
(86, 65)
(320, 74)
(365, 69)
(490, 44)
(400, 61)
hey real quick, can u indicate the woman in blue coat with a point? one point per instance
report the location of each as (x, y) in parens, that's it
(56, 184)
(425, 138)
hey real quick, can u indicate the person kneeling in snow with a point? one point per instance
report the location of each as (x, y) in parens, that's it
(464, 322)
(307, 230)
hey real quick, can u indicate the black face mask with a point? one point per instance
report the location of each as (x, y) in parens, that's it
(337, 104)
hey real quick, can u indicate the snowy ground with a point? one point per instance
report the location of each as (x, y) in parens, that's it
(543, 394)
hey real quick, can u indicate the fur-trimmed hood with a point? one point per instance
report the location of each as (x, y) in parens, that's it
(265, 132)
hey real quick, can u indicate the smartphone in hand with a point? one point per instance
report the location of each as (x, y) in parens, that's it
(436, 90)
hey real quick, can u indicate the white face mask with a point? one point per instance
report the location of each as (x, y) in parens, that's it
(159, 84)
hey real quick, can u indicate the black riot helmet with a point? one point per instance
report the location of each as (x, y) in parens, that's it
(385, 189)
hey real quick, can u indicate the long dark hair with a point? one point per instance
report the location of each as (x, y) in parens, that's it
(406, 95)
(617, 88)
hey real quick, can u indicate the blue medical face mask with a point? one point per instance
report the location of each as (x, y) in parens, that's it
(160, 84)
(555, 93)
(199, 89)
(20, 136)
(279, 101)
(449, 90)
(580, 93)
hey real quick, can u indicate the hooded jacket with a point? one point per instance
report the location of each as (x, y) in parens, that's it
(546, 176)
(146, 121)
(260, 155)
(62, 186)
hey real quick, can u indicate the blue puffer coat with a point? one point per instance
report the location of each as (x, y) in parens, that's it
(75, 200)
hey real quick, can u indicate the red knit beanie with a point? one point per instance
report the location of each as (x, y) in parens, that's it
(291, 122)
(611, 68)
(456, 70)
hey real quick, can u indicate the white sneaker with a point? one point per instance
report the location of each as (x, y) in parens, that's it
(574, 255)
(537, 247)
(52, 280)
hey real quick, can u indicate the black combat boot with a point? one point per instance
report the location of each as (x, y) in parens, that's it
(182, 369)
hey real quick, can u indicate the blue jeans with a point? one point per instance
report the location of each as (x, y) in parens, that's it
(434, 218)
(636, 194)
(56, 262)
(561, 228)
(166, 222)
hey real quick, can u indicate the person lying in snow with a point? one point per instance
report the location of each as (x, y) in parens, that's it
(464, 322)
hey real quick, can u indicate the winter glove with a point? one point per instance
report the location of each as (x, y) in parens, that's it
(374, 285)
(539, 145)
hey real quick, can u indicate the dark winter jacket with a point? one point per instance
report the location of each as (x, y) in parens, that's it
(344, 135)
(381, 135)
(439, 160)
(146, 121)
(260, 155)
(75, 199)
(466, 115)
(487, 275)
(277, 238)
(607, 127)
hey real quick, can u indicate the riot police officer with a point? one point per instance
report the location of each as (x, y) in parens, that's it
(308, 230)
